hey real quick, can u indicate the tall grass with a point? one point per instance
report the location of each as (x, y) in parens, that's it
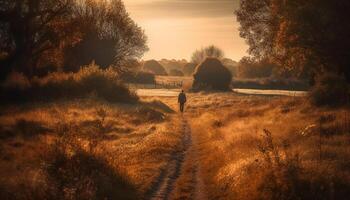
(301, 154)
(285, 175)
(89, 81)
(76, 173)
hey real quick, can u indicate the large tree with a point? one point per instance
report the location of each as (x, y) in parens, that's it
(109, 35)
(30, 27)
(298, 33)
(80, 31)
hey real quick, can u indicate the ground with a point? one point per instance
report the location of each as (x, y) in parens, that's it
(225, 146)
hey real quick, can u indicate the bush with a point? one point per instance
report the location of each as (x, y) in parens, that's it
(154, 67)
(75, 173)
(175, 72)
(140, 77)
(248, 68)
(90, 80)
(330, 89)
(282, 174)
(211, 74)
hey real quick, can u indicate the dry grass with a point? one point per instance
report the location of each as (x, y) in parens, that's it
(243, 147)
(85, 149)
(301, 155)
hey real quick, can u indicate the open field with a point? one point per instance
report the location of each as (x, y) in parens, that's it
(91, 149)
(260, 147)
(86, 149)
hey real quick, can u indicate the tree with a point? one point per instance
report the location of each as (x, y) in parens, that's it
(107, 27)
(211, 51)
(249, 68)
(29, 28)
(257, 26)
(298, 34)
(77, 31)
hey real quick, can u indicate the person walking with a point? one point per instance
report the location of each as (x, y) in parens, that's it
(182, 100)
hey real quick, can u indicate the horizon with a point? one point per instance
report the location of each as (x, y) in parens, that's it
(171, 23)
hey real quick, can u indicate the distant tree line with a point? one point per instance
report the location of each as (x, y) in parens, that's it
(50, 35)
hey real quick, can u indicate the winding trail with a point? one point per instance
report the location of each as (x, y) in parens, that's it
(165, 185)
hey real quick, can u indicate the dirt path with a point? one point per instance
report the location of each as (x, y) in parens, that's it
(165, 185)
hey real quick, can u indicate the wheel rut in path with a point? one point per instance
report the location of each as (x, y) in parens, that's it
(165, 184)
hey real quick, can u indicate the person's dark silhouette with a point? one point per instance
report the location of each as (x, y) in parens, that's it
(182, 100)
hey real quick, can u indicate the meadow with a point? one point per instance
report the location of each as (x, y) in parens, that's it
(265, 147)
(84, 115)
(84, 149)
(227, 145)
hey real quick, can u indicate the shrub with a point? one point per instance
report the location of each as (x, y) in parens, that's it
(176, 72)
(90, 80)
(248, 68)
(211, 74)
(141, 77)
(75, 173)
(283, 175)
(330, 89)
(154, 67)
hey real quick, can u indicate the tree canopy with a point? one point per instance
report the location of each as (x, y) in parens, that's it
(298, 33)
(211, 51)
(74, 31)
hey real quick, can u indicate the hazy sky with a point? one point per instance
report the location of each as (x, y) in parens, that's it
(175, 28)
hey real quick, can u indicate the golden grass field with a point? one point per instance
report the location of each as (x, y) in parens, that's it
(91, 149)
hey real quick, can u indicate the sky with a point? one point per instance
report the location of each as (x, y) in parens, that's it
(176, 28)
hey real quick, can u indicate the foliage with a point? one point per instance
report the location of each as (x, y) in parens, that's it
(298, 34)
(284, 177)
(330, 89)
(211, 74)
(90, 80)
(109, 35)
(248, 68)
(139, 77)
(29, 28)
(211, 51)
(55, 32)
(155, 67)
(75, 173)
